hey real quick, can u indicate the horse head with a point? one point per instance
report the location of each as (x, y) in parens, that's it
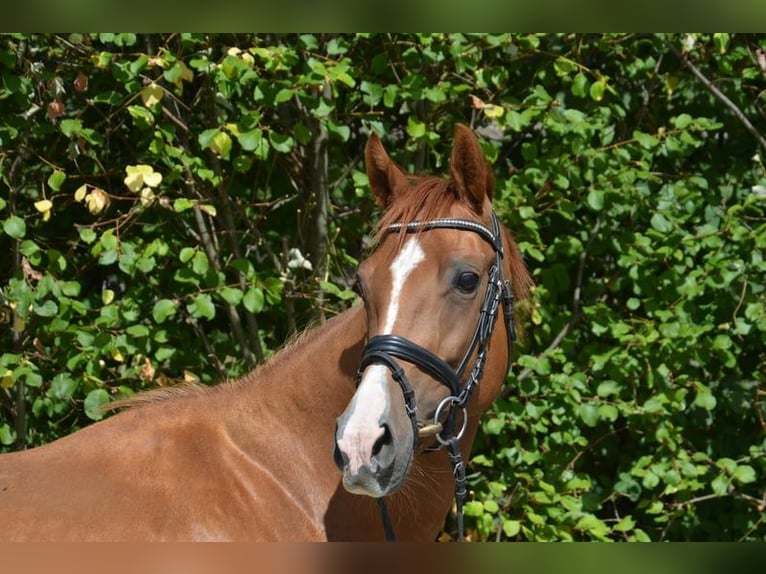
(438, 295)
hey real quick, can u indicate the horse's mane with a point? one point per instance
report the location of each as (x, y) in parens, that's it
(430, 197)
(195, 389)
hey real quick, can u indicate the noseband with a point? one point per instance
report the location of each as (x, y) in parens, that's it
(385, 349)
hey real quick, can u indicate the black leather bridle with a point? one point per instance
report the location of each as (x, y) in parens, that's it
(386, 349)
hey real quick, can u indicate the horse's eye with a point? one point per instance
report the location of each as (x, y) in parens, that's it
(467, 282)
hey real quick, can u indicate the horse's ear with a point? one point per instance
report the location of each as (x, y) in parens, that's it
(469, 170)
(386, 178)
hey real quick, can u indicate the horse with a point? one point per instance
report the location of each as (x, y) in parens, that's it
(346, 434)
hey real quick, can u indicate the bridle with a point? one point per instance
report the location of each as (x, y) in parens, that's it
(386, 349)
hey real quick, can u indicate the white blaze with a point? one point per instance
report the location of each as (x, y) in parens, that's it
(409, 258)
(369, 404)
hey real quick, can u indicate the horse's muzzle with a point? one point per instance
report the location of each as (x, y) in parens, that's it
(368, 466)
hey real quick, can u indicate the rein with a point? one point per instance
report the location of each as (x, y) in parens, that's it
(385, 349)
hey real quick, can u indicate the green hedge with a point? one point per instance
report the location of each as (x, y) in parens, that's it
(175, 206)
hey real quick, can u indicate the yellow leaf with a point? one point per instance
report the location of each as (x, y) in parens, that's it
(43, 205)
(153, 179)
(18, 324)
(7, 381)
(118, 356)
(96, 201)
(233, 128)
(151, 95)
(107, 296)
(190, 377)
(139, 176)
(187, 75)
(221, 144)
(147, 197)
(209, 209)
(79, 195)
(493, 111)
(134, 181)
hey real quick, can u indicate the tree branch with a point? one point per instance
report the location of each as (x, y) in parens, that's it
(718, 94)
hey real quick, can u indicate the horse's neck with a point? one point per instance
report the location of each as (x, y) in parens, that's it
(308, 384)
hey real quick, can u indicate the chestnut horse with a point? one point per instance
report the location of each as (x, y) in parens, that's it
(252, 459)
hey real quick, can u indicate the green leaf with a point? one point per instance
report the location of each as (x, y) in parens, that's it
(720, 484)
(608, 388)
(597, 90)
(94, 403)
(580, 85)
(15, 227)
(625, 524)
(186, 254)
(137, 331)
(206, 138)
(70, 127)
(143, 117)
(646, 141)
(415, 128)
(660, 223)
(253, 300)
(250, 140)
(491, 506)
(588, 413)
(47, 309)
(704, 398)
(564, 66)
(655, 404)
(473, 508)
(32, 377)
(281, 142)
(200, 264)
(87, 235)
(434, 95)
(511, 527)
(231, 295)
(56, 180)
(342, 294)
(284, 95)
(683, 121)
(63, 386)
(201, 306)
(744, 474)
(595, 199)
(7, 435)
(494, 425)
(721, 41)
(182, 204)
(163, 310)
(343, 132)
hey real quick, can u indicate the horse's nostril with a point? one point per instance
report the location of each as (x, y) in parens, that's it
(340, 459)
(382, 441)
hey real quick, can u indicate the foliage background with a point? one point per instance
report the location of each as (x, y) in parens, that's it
(174, 206)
